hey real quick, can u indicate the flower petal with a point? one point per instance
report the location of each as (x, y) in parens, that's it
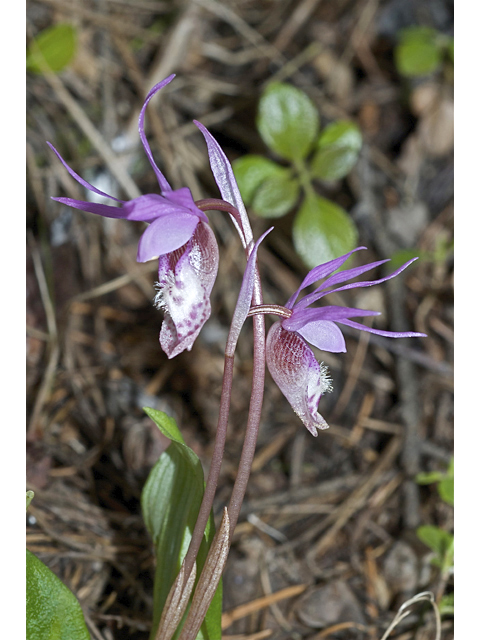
(319, 293)
(225, 179)
(83, 182)
(320, 272)
(167, 233)
(324, 335)
(300, 378)
(302, 317)
(379, 332)
(186, 279)
(162, 181)
(348, 274)
(104, 210)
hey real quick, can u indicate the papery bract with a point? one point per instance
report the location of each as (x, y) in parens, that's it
(290, 360)
(178, 234)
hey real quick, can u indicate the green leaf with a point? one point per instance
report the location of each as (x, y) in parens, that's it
(322, 231)
(251, 170)
(446, 490)
(30, 496)
(439, 541)
(54, 48)
(171, 500)
(404, 255)
(53, 612)
(338, 149)
(429, 477)
(287, 120)
(418, 52)
(275, 197)
(446, 605)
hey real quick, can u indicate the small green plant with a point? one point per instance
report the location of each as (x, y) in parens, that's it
(289, 124)
(53, 49)
(441, 542)
(421, 51)
(53, 611)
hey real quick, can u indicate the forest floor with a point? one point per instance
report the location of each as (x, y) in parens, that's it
(326, 544)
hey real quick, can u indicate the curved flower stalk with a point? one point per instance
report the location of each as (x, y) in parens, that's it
(290, 360)
(178, 234)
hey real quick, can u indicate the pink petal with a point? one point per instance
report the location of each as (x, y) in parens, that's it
(79, 179)
(166, 234)
(162, 181)
(324, 335)
(298, 375)
(320, 272)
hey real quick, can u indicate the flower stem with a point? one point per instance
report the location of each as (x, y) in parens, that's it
(254, 413)
(214, 472)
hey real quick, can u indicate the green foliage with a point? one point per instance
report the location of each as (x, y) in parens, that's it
(171, 500)
(421, 50)
(53, 612)
(53, 49)
(441, 543)
(30, 496)
(446, 605)
(287, 121)
(322, 231)
(338, 149)
(276, 196)
(252, 170)
(445, 482)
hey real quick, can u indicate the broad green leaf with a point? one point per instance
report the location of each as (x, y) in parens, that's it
(418, 52)
(53, 612)
(171, 500)
(338, 149)
(55, 48)
(287, 120)
(441, 542)
(446, 489)
(251, 170)
(276, 196)
(322, 231)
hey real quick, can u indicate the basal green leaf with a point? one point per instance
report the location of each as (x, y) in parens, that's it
(53, 612)
(418, 52)
(338, 149)
(275, 197)
(446, 489)
(322, 231)
(171, 500)
(441, 542)
(251, 170)
(287, 121)
(55, 48)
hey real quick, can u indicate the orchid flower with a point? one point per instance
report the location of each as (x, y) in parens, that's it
(290, 360)
(178, 234)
